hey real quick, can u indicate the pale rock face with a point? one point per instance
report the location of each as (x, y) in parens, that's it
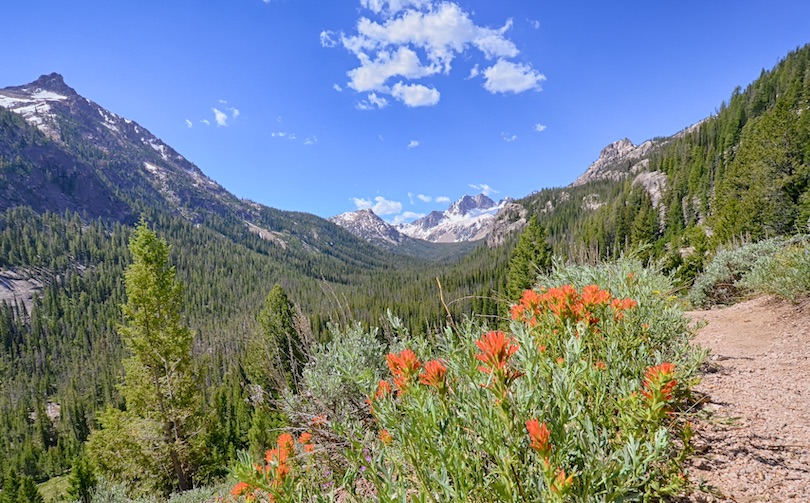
(512, 218)
(612, 161)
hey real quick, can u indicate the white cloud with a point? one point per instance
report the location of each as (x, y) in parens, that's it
(535, 23)
(389, 7)
(414, 39)
(206, 122)
(311, 140)
(424, 198)
(406, 216)
(415, 95)
(508, 138)
(337, 88)
(328, 39)
(284, 135)
(484, 188)
(442, 199)
(223, 102)
(371, 75)
(373, 102)
(410, 197)
(413, 144)
(380, 137)
(221, 117)
(234, 112)
(380, 206)
(540, 127)
(508, 77)
(189, 123)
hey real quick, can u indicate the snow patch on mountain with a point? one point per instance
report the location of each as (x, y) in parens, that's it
(367, 225)
(468, 219)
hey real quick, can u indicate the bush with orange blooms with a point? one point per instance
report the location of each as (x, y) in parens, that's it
(578, 398)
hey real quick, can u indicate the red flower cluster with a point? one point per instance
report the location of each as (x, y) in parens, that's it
(659, 382)
(271, 475)
(496, 349)
(404, 367)
(567, 304)
(435, 375)
(539, 435)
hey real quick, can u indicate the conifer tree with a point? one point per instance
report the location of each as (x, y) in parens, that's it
(158, 386)
(531, 256)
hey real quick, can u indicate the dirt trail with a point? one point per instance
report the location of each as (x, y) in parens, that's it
(754, 442)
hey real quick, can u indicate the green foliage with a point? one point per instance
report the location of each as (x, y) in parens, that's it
(82, 481)
(275, 356)
(20, 489)
(608, 380)
(785, 273)
(531, 257)
(722, 281)
(159, 385)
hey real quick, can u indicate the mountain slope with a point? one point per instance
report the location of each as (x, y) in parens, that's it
(744, 172)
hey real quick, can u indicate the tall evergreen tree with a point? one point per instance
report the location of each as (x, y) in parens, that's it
(531, 256)
(159, 385)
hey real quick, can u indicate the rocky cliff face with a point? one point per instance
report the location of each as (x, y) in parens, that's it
(615, 161)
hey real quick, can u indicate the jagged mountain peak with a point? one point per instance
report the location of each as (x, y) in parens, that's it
(467, 219)
(470, 203)
(365, 224)
(52, 82)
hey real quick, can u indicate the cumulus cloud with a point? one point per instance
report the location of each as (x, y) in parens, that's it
(406, 216)
(442, 199)
(337, 88)
(508, 138)
(415, 39)
(380, 205)
(484, 188)
(540, 127)
(371, 75)
(234, 112)
(413, 144)
(424, 198)
(189, 123)
(415, 95)
(220, 117)
(206, 122)
(508, 77)
(372, 102)
(284, 135)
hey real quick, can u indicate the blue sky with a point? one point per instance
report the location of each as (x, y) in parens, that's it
(325, 106)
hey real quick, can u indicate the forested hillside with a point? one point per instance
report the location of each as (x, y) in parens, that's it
(743, 172)
(64, 354)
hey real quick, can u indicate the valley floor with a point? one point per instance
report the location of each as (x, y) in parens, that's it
(753, 441)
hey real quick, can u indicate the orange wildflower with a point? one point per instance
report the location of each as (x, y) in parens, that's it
(592, 295)
(309, 448)
(383, 390)
(318, 421)
(404, 367)
(385, 437)
(621, 305)
(659, 381)
(561, 484)
(600, 365)
(434, 374)
(539, 435)
(305, 438)
(242, 489)
(496, 349)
